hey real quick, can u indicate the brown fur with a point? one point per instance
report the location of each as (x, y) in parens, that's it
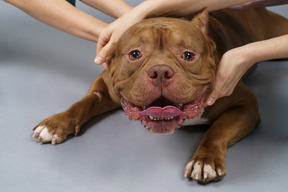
(233, 117)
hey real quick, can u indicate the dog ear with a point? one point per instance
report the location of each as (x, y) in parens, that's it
(201, 21)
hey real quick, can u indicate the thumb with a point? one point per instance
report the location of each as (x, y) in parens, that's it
(213, 97)
(100, 59)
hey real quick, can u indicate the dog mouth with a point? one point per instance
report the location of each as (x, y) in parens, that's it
(163, 115)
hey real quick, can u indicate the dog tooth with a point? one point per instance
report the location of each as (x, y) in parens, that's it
(153, 118)
(180, 105)
(160, 119)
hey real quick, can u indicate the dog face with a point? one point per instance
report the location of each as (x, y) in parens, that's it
(162, 68)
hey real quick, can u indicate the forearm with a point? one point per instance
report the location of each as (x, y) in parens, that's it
(274, 48)
(114, 8)
(180, 8)
(63, 16)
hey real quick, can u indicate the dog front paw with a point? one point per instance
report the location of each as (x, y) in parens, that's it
(205, 170)
(56, 128)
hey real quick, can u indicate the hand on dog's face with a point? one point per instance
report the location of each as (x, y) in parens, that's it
(162, 69)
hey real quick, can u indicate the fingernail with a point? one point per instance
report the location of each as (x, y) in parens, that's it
(99, 60)
(210, 101)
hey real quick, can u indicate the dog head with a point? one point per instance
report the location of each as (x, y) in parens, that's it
(163, 68)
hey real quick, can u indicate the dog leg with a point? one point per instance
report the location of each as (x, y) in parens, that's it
(57, 127)
(208, 162)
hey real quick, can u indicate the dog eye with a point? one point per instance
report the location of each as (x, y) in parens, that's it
(188, 56)
(134, 55)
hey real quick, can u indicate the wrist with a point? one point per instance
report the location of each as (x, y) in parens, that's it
(247, 55)
(146, 9)
(160, 8)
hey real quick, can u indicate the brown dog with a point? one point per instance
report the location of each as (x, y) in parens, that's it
(162, 70)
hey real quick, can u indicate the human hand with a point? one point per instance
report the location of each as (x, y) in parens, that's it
(233, 65)
(111, 34)
(236, 62)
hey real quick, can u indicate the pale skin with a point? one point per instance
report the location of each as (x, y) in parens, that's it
(234, 63)
(63, 16)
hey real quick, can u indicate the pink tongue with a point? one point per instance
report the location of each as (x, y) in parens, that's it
(158, 112)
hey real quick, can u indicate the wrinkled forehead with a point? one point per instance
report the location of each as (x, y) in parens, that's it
(162, 32)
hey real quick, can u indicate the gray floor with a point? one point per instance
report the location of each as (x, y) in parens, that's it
(43, 71)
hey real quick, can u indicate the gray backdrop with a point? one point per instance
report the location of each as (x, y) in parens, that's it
(43, 71)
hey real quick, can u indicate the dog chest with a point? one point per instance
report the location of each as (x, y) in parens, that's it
(198, 120)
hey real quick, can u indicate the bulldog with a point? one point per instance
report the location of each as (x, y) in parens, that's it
(161, 72)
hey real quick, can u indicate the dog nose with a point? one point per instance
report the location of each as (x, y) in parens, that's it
(160, 73)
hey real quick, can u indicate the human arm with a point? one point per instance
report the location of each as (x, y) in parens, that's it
(65, 17)
(149, 8)
(260, 3)
(236, 62)
(114, 8)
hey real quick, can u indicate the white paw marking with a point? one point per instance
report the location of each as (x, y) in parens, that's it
(45, 135)
(56, 139)
(197, 171)
(209, 172)
(188, 168)
(39, 129)
(203, 172)
(220, 173)
(42, 134)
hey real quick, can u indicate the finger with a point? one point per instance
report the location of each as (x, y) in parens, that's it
(103, 40)
(213, 97)
(210, 101)
(99, 60)
(103, 53)
(101, 43)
